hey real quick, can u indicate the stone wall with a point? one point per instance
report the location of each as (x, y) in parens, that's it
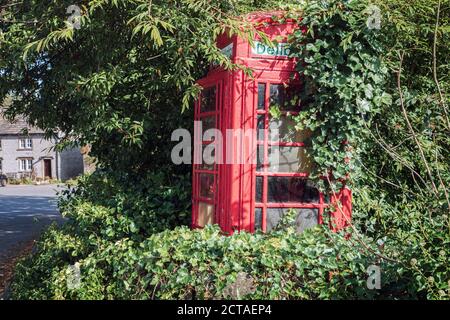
(10, 154)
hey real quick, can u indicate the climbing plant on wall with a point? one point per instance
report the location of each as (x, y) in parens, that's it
(343, 82)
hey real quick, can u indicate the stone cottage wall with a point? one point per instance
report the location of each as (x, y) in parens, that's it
(10, 153)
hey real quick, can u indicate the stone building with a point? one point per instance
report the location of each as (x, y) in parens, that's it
(24, 152)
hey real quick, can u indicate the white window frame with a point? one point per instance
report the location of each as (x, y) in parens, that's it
(25, 165)
(25, 143)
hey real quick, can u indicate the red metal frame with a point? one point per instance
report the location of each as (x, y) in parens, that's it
(236, 108)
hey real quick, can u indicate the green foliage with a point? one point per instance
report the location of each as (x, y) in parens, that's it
(344, 78)
(404, 193)
(114, 205)
(119, 82)
(101, 209)
(389, 129)
(186, 264)
(123, 238)
(376, 104)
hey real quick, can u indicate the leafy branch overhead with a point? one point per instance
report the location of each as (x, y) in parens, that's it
(131, 60)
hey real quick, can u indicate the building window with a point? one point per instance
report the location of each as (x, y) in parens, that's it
(25, 165)
(25, 143)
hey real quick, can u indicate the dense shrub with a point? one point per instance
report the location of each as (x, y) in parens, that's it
(101, 209)
(115, 204)
(379, 112)
(128, 253)
(200, 264)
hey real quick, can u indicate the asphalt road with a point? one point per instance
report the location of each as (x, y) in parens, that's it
(24, 212)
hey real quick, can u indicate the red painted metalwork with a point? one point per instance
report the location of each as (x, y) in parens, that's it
(225, 193)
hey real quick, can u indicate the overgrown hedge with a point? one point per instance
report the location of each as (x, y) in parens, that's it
(185, 264)
(120, 259)
(126, 252)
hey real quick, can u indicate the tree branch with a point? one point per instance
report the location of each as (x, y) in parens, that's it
(410, 127)
(435, 76)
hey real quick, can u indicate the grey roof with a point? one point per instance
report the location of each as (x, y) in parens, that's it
(19, 126)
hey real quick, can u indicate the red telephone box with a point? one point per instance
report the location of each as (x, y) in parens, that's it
(244, 188)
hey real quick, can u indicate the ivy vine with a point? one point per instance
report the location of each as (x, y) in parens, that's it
(344, 78)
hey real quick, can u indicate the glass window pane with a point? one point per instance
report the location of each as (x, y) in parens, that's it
(291, 189)
(292, 98)
(208, 123)
(259, 189)
(260, 158)
(286, 98)
(261, 96)
(283, 129)
(258, 218)
(273, 217)
(306, 218)
(260, 127)
(205, 214)
(206, 185)
(289, 159)
(276, 95)
(208, 102)
(204, 165)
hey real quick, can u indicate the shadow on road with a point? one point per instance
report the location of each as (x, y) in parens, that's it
(25, 212)
(23, 219)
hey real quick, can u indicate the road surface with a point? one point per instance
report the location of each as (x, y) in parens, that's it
(24, 212)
